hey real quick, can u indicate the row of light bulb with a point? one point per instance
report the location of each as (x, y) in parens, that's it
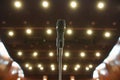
(53, 67)
(66, 54)
(89, 32)
(46, 4)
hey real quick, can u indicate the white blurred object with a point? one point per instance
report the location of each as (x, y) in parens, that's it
(110, 64)
(7, 64)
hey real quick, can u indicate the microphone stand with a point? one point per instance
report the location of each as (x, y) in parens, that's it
(60, 26)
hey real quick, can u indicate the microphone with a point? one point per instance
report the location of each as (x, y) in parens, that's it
(60, 27)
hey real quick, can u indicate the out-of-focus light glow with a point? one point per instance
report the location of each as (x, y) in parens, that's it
(35, 54)
(30, 68)
(44, 77)
(77, 66)
(52, 67)
(101, 5)
(97, 54)
(72, 77)
(90, 66)
(49, 31)
(73, 4)
(69, 31)
(39, 65)
(67, 54)
(64, 67)
(29, 31)
(87, 68)
(45, 4)
(51, 54)
(18, 4)
(27, 65)
(107, 34)
(20, 53)
(41, 68)
(89, 32)
(82, 54)
(11, 33)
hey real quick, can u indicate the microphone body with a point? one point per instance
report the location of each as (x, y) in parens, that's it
(60, 27)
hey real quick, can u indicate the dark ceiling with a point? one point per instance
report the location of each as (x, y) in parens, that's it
(85, 16)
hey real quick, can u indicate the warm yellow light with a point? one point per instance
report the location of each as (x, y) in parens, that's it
(44, 77)
(64, 67)
(89, 31)
(27, 65)
(75, 68)
(52, 67)
(82, 54)
(78, 66)
(69, 31)
(45, 4)
(20, 53)
(11, 33)
(72, 77)
(41, 68)
(51, 54)
(29, 31)
(90, 66)
(87, 68)
(107, 34)
(17, 4)
(67, 54)
(35, 54)
(39, 65)
(97, 54)
(49, 31)
(30, 68)
(101, 5)
(73, 4)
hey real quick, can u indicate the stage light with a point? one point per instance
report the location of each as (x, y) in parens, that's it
(67, 54)
(72, 77)
(39, 65)
(18, 4)
(45, 4)
(64, 67)
(77, 65)
(49, 31)
(107, 34)
(87, 68)
(27, 65)
(30, 68)
(11, 33)
(97, 54)
(75, 68)
(20, 53)
(35, 54)
(28, 31)
(82, 54)
(73, 4)
(52, 67)
(41, 68)
(89, 32)
(90, 66)
(44, 77)
(51, 54)
(69, 31)
(101, 5)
